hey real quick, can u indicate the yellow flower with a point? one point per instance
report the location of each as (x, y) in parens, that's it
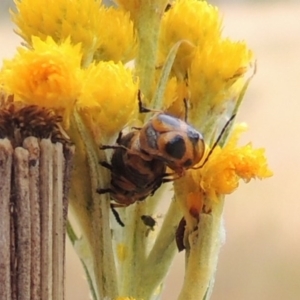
(226, 166)
(177, 107)
(77, 19)
(47, 75)
(221, 174)
(215, 69)
(117, 38)
(170, 94)
(195, 22)
(109, 97)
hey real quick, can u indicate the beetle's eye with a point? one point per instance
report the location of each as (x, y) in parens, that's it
(176, 147)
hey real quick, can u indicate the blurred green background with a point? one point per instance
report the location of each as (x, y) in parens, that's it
(261, 256)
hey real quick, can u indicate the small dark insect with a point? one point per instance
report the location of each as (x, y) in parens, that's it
(148, 221)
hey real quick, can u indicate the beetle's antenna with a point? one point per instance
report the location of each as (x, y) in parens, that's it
(143, 109)
(185, 109)
(216, 142)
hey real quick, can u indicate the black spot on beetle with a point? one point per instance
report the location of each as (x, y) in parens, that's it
(176, 147)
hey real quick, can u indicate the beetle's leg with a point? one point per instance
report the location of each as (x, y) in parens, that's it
(185, 109)
(143, 109)
(142, 154)
(179, 235)
(106, 165)
(116, 215)
(112, 205)
(104, 191)
(164, 179)
(215, 143)
(104, 147)
(119, 137)
(160, 182)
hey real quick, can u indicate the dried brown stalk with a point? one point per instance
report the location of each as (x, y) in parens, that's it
(5, 186)
(31, 144)
(22, 222)
(34, 182)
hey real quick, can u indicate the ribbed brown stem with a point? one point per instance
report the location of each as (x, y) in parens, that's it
(69, 152)
(34, 182)
(31, 144)
(58, 224)
(46, 201)
(22, 222)
(5, 179)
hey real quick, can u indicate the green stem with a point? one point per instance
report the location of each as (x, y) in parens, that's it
(161, 256)
(244, 89)
(73, 238)
(100, 240)
(202, 254)
(164, 77)
(147, 24)
(133, 239)
(71, 233)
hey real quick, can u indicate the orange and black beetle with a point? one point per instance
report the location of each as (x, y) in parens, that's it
(134, 176)
(141, 157)
(172, 141)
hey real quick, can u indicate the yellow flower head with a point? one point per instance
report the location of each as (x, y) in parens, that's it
(221, 174)
(214, 70)
(170, 94)
(195, 22)
(77, 19)
(226, 166)
(109, 97)
(47, 75)
(117, 38)
(177, 107)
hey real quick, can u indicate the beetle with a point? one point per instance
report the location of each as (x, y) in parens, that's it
(140, 158)
(148, 221)
(134, 176)
(171, 140)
